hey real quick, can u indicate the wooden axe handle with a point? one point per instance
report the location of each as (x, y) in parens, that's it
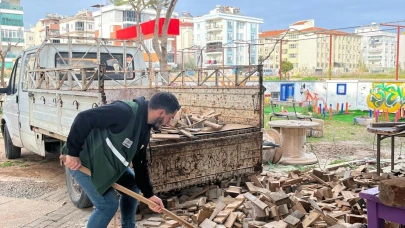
(136, 196)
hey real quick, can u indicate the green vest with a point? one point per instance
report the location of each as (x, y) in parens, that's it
(107, 155)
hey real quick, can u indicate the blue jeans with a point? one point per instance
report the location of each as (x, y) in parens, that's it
(107, 204)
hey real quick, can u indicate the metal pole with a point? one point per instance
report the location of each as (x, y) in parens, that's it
(223, 60)
(397, 61)
(330, 56)
(281, 61)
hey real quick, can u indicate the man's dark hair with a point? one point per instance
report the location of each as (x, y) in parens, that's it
(166, 101)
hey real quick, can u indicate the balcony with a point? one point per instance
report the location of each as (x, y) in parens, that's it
(375, 50)
(213, 27)
(6, 5)
(212, 39)
(375, 57)
(12, 40)
(11, 55)
(213, 62)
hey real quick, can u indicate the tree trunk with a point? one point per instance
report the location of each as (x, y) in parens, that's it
(3, 62)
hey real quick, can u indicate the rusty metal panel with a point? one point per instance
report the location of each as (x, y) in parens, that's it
(212, 157)
(129, 93)
(239, 105)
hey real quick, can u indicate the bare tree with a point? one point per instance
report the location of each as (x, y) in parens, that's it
(139, 6)
(3, 54)
(160, 42)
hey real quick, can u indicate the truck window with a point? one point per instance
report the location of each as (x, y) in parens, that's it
(90, 59)
(15, 76)
(29, 65)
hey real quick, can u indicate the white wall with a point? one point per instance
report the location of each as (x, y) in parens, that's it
(356, 92)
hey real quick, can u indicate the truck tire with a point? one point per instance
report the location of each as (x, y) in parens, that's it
(75, 192)
(11, 151)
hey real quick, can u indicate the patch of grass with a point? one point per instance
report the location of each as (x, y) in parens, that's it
(10, 163)
(339, 161)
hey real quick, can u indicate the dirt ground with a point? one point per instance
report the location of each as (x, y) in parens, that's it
(33, 181)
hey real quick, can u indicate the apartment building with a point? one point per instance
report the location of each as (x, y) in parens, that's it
(307, 47)
(12, 29)
(378, 48)
(29, 37)
(186, 53)
(80, 25)
(47, 26)
(227, 37)
(110, 18)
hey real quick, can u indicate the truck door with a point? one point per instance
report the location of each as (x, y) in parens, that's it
(11, 105)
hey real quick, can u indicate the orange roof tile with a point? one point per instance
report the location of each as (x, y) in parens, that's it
(323, 31)
(300, 23)
(272, 33)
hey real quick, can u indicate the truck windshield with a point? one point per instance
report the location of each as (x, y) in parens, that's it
(113, 63)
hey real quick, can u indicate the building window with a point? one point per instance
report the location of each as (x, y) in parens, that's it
(79, 26)
(198, 26)
(230, 37)
(240, 36)
(90, 26)
(229, 60)
(198, 37)
(292, 46)
(129, 15)
(170, 57)
(12, 19)
(294, 55)
(126, 25)
(293, 37)
(252, 60)
(229, 24)
(252, 38)
(241, 25)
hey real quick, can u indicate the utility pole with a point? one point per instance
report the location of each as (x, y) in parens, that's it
(330, 56)
(398, 38)
(281, 60)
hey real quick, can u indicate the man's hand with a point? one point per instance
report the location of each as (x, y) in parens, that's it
(158, 208)
(72, 163)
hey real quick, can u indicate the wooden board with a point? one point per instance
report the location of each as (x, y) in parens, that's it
(310, 219)
(275, 135)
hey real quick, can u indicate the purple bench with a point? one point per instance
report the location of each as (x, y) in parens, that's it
(378, 212)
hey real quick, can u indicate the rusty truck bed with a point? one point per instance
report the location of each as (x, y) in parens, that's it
(212, 157)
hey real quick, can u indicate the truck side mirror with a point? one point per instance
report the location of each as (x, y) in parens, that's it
(6, 90)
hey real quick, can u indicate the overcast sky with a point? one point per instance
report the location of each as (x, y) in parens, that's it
(277, 14)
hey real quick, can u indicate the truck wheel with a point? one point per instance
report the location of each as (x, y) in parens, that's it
(12, 151)
(75, 192)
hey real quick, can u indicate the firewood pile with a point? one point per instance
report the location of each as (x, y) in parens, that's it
(188, 124)
(310, 198)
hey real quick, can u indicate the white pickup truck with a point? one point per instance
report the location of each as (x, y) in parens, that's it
(50, 84)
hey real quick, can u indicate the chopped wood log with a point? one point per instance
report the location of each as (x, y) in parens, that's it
(276, 224)
(292, 221)
(202, 215)
(279, 198)
(317, 172)
(319, 180)
(331, 221)
(193, 129)
(315, 206)
(283, 209)
(347, 195)
(256, 181)
(318, 194)
(186, 133)
(151, 224)
(298, 214)
(392, 192)
(251, 187)
(327, 193)
(298, 206)
(351, 218)
(310, 219)
(337, 189)
(221, 217)
(172, 223)
(231, 220)
(208, 224)
(207, 123)
(274, 185)
(292, 182)
(165, 136)
(255, 200)
(217, 209)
